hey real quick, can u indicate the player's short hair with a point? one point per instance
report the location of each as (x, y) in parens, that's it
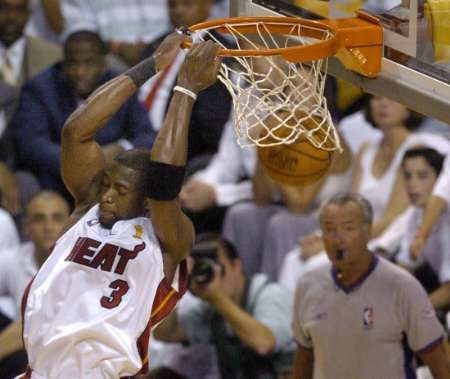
(136, 159)
(413, 121)
(351, 197)
(434, 159)
(211, 241)
(86, 36)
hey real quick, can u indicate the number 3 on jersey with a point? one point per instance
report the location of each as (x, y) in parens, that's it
(120, 288)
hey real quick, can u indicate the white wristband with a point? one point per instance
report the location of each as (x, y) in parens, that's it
(185, 91)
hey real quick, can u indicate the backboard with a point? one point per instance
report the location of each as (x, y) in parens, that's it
(416, 61)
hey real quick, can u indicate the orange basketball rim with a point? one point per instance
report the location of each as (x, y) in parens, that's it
(357, 42)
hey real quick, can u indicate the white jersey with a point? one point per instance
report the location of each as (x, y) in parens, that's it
(89, 310)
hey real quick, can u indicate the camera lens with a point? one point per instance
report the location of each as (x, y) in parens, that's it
(202, 271)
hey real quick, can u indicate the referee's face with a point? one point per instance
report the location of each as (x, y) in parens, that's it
(344, 232)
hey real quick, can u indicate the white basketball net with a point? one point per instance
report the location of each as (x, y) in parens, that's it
(281, 102)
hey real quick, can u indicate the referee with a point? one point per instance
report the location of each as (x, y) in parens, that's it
(360, 316)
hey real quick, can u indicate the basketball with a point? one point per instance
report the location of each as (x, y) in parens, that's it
(297, 164)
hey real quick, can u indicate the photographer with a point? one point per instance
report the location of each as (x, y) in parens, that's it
(246, 319)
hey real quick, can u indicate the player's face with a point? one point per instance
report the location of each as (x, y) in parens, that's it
(419, 180)
(344, 232)
(121, 195)
(188, 12)
(44, 221)
(387, 113)
(13, 18)
(84, 65)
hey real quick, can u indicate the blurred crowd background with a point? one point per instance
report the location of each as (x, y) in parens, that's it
(55, 53)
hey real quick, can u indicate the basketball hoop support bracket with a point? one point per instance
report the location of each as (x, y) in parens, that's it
(360, 42)
(357, 42)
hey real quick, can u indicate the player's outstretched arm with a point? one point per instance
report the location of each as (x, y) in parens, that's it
(82, 159)
(168, 156)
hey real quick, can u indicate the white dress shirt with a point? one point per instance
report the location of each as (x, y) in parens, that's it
(228, 167)
(17, 268)
(16, 55)
(9, 237)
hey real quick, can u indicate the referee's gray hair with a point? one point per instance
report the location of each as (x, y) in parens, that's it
(351, 197)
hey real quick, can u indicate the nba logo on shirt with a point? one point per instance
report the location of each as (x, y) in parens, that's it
(368, 318)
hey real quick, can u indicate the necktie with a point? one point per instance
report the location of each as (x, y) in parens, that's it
(7, 70)
(152, 94)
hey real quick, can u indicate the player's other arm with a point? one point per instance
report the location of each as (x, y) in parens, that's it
(168, 157)
(437, 361)
(82, 158)
(303, 363)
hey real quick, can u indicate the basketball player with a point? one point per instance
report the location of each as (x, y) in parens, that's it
(361, 316)
(89, 310)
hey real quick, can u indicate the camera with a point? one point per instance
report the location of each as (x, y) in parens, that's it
(206, 262)
(203, 270)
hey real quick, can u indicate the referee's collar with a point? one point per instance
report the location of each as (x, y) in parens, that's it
(361, 280)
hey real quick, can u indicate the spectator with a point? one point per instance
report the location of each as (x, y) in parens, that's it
(377, 174)
(45, 216)
(212, 109)
(245, 318)
(125, 25)
(21, 57)
(225, 181)
(436, 206)
(421, 168)
(373, 311)
(47, 101)
(301, 260)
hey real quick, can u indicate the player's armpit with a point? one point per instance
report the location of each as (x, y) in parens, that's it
(174, 231)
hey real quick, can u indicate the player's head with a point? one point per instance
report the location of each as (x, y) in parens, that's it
(122, 190)
(46, 214)
(214, 256)
(13, 18)
(346, 221)
(385, 113)
(421, 167)
(184, 13)
(84, 61)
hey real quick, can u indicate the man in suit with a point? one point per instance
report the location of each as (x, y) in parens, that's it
(212, 109)
(21, 57)
(47, 100)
